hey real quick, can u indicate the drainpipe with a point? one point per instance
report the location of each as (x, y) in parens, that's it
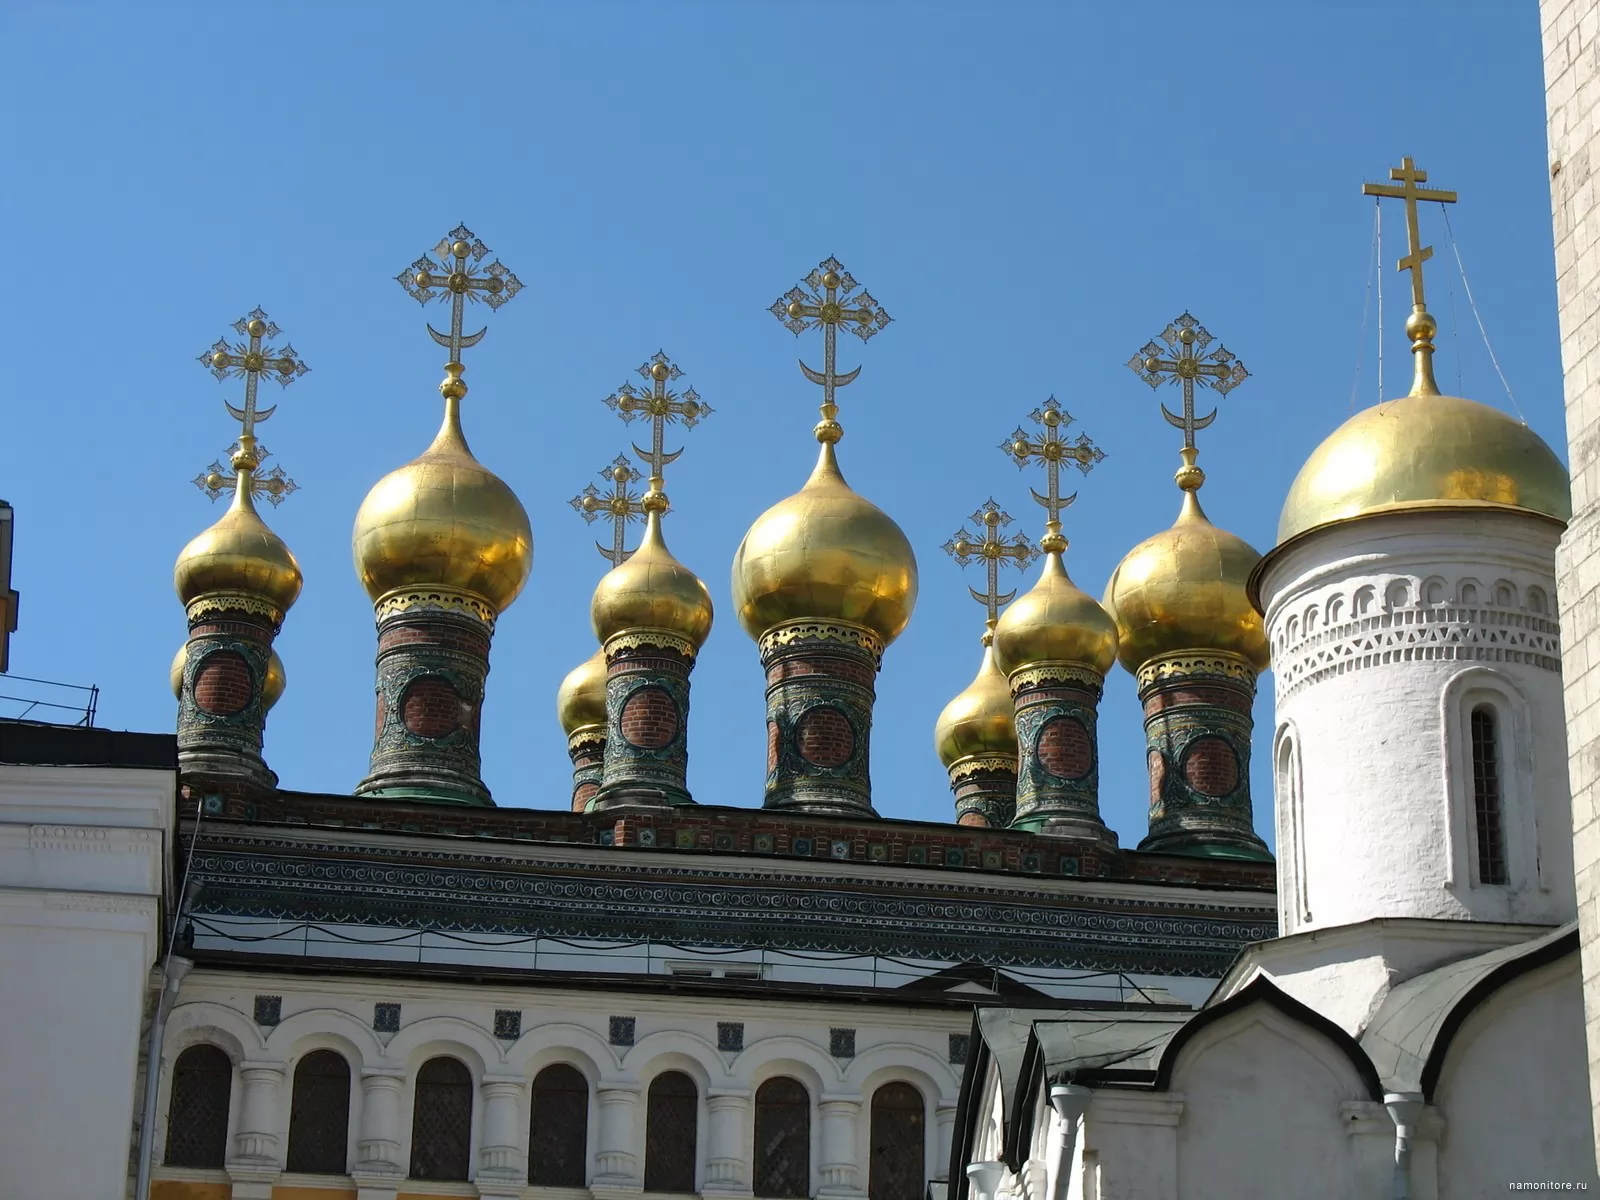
(1071, 1101)
(1405, 1109)
(172, 972)
(985, 1178)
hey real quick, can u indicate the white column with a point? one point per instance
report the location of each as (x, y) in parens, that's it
(840, 1116)
(944, 1124)
(501, 1157)
(615, 1161)
(260, 1087)
(727, 1170)
(378, 1150)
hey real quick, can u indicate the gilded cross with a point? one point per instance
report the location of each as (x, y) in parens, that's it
(995, 550)
(246, 457)
(621, 505)
(1185, 340)
(1052, 449)
(252, 359)
(1408, 177)
(662, 406)
(455, 274)
(831, 301)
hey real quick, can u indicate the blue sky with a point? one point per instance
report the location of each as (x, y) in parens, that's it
(1031, 190)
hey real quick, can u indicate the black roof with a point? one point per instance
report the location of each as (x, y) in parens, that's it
(34, 744)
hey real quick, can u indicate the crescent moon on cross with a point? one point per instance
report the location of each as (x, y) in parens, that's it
(818, 377)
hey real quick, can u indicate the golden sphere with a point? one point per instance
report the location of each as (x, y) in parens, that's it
(272, 686)
(219, 359)
(581, 699)
(444, 520)
(422, 279)
(1055, 621)
(1420, 326)
(1426, 452)
(257, 327)
(651, 590)
(659, 371)
(980, 720)
(825, 553)
(175, 671)
(460, 249)
(239, 554)
(1184, 590)
(830, 279)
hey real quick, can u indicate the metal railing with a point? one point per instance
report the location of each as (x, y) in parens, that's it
(48, 701)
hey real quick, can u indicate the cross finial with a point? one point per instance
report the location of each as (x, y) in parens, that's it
(250, 359)
(272, 486)
(621, 505)
(829, 299)
(1186, 340)
(456, 275)
(1420, 326)
(994, 550)
(1053, 450)
(663, 407)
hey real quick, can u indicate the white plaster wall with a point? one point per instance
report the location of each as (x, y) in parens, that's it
(1384, 631)
(1513, 1078)
(82, 865)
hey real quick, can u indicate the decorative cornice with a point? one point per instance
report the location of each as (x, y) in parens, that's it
(660, 639)
(435, 599)
(793, 632)
(1216, 664)
(1045, 673)
(586, 735)
(237, 602)
(94, 839)
(982, 764)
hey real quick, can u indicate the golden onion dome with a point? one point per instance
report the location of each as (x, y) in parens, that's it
(271, 689)
(651, 590)
(239, 554)
(1184, 589)
(825, 553)
(444, 520)
(581, 699)
(980, 720)
(1426, 451)
(1055, 621)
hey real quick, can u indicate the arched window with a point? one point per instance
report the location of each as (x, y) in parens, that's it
(197, 1114)
(783, 1140)
(441, 1120)
(1486, 806)
(319, 1114)
(558, 1133)
(895, 1169)
(671, 1114)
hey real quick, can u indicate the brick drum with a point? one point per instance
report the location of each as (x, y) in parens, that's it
(1064, 748)
(649, 719)
(1158, 776)
(824, 737)
(976, 819)
(1211, 767)
(222, 685)
(584, 793)
(431, 707)
(774, 745)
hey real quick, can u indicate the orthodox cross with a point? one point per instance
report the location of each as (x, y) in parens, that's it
(995, 550)
(831, 301)
(272, 486)
(1053, 450)
(456, 275)
(621, 505)
(662, 406)
(250, 359)
(1220, 370)
(1408, 177)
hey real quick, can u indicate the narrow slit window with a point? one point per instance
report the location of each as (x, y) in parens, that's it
(1486, 798)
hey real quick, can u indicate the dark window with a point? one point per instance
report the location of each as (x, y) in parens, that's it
(895, 1170)
(1486, 797)
(441, 1121)
(669, 1139)
(197, 1114)
(783, 1139)
(319, 1114)
(558, 1138)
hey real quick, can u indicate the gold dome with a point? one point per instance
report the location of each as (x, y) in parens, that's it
(444, 520)
(825, 553)
(271, 690)
(1184, 589)
(239, 554)
(581, 699)
(981, 719)
(1055, 621)
(651, 590)
(1426, 451)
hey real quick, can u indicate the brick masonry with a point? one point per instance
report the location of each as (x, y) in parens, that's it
(222, 715)
(1058, 772)
(646, 754)
(1571, 43)
(222, 684)
(820, 693)
(824, 737)
(1065, 749)
(650, 718)
(431, 707)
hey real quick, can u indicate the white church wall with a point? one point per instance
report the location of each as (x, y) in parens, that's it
(1512, 1078)
(1385, 632)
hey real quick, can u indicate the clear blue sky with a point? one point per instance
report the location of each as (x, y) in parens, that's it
(1032, 191)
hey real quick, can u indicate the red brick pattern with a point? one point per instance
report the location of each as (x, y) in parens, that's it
(974, 819)
(851, 670)
(1216, 697)
(1064, 748)
(1158, 776)
(1211, 767)
(431, 707)
(222, 685)
(774, 745)
(649, 719)
(247, 630)
(824, 737)
(447, 635)
(583, 794)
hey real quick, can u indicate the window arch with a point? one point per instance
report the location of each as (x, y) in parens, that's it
(319, 1115)
(1487, 801)
(441, 1120)
(671, 1116)
(197, 1112)
(558, 1132)
(783, 1139)
(897, 1152)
